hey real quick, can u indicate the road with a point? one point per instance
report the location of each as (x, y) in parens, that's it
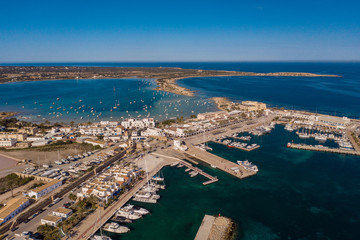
(36, 221)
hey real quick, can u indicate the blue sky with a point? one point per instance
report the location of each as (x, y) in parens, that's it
(94, 31)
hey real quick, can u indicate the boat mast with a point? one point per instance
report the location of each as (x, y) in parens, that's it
(147, 173)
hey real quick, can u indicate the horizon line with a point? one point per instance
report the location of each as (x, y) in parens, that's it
(200, 61)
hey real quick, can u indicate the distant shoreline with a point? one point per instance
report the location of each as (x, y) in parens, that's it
(165, 77)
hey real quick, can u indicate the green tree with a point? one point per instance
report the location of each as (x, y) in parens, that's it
(49, 232)
(72, 197)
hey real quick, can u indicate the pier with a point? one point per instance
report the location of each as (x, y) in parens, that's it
(205, 228)
(215, 228)
(201, 172)
(323, 149)
(188, 165)
(218, 162)
(241, 148)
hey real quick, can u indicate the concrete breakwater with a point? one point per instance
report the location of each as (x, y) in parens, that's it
(215, 228)
(220, 163)
(322, 149)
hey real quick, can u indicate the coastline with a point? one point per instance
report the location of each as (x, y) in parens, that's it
(170, 84)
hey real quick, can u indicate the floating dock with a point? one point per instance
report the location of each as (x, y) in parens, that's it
(324, 149)
(191, 167)
(201, 172)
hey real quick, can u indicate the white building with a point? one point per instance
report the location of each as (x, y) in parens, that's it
(12, 208)
(65, 129)
(179, 145)
(7, 142)
(51, 220)
(138, 123)
(40, 143)
(212, 115)
(93, 142)
(94, 131)
(45, 189)
(62, 212)
(152, 132)
(35, 138)
(175, 131)
(112, 124)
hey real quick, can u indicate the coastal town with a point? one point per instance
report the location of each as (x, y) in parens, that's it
(75, 194)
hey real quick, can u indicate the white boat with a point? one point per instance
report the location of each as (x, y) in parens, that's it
(157, 178)
(140, 210)
(322, 138)
(304, 135)
(145, 200)
(102, 237)
(129, 214)
(248, 165)
(116, 228)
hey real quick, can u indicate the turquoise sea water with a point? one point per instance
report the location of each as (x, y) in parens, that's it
(94, 100)
(296, 195)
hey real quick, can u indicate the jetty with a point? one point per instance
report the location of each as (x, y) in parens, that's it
(322, 149)
(215, 228)
(237, 147)
(220, 163)
(201, 172)
(182, 163)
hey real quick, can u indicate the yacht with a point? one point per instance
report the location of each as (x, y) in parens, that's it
(140, 210)
(116, 228)
(248, 165)
(135, 209)
(321, 138)
(121, 219)
(129, 214)
(304, 135)
(102, 237)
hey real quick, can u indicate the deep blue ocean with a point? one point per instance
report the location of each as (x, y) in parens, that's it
(296, 194)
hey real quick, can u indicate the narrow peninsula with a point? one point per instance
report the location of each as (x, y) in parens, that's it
(165, 77)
